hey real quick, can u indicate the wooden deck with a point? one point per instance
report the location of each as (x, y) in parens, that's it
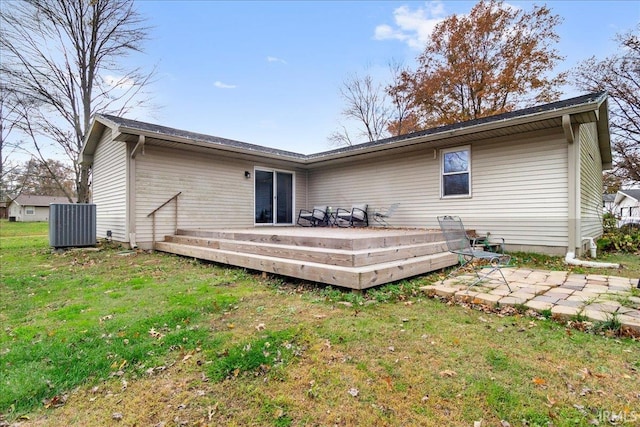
(351, 258)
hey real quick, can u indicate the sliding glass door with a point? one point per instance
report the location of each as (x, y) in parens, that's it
(273, 197)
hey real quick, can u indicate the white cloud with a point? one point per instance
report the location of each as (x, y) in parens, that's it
(412, 26)
(275, 59)
(221, 85)
(118, 82)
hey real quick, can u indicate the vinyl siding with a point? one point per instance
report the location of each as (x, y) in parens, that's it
(519, 189)
(215, 192)
(628, 211)
(590, 182)
(41, 213)
(109, 188)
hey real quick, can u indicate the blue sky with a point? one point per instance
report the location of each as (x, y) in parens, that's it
(269, 73)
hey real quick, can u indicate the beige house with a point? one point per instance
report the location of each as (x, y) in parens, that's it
(532, 176)
(28, 208)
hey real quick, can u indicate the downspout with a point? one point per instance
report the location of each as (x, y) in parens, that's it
(571, 260)
(131, 191)
(574, 200)
(573, 185)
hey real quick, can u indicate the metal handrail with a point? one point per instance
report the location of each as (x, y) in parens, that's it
(153, 218)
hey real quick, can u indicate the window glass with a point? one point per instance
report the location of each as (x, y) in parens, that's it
(456, 161)
(456, 171)
(30, 210)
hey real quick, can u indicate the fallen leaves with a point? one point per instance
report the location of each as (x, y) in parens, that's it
(541, 382)
(105, 318)
(447, 373)
(155, 334)
(56, 401)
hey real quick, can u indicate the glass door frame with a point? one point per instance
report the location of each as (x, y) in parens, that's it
(274, 201)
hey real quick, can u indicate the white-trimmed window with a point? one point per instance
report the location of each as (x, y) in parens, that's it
(29, 210)
(456, 172)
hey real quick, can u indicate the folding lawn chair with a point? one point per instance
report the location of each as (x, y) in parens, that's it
(382, 216)
(459, 243)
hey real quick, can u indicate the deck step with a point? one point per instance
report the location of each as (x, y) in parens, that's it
(322, 255)
(354, 277)
(328, 238)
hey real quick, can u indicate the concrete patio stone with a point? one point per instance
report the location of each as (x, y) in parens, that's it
(553, 299)
(487, 299)
(511, 301)
(465, 296)
(596, 297)
(605, 308)
(629, 322)
(445, 291)
(625, 310)
(500, 291)
(619, 286)
(536, 289)
(596, 315)
(560, 312)
(561, 290)
(598, 289)
(633, 313)
(583, 296)
(569, 303)
(539, 305)
(523, 295)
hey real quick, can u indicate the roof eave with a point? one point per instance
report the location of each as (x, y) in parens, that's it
(124, 132)
(591, 107)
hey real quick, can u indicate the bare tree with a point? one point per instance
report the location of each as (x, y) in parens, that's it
(64, 57)
(8, 108)
(366, 103)
(402, 120)
(619, 75)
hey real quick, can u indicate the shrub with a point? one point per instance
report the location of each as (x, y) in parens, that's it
(625, 239)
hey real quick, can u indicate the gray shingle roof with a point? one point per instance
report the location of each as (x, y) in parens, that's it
(32, 200)
(164, 131)
(571, 102)
(635, 193)
(215, 140)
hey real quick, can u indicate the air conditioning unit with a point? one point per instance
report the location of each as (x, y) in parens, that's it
(72, 225)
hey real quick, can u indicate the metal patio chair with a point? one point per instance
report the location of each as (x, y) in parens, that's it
(357, 216)
(459, 243)
(313, 218)
(382, 216)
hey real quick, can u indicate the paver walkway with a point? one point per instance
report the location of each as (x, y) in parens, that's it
(566, 295)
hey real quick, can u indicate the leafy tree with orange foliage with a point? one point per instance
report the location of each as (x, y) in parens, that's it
(494, 60)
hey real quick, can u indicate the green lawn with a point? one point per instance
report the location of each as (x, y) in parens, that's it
(89, 337)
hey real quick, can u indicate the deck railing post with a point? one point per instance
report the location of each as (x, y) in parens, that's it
(153, 231)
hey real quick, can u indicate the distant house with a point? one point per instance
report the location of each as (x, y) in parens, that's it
(532, 176)
(627, 207)
(28, 208)
(3, 210)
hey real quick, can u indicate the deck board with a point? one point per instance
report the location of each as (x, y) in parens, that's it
(350, 258)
